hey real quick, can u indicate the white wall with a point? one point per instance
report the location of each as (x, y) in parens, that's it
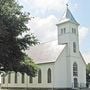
(81, 70)
(68, 35)
(44, 84)
(60, 73)
(64, 70)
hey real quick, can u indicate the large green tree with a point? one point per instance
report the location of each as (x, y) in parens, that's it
(12, 43)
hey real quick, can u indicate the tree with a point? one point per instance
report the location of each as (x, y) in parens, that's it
(12, 42)
(88, 73)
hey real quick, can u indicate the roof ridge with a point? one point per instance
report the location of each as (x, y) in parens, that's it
(48, 41)
(46, 52)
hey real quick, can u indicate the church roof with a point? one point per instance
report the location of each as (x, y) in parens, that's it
(45, 52)
(68, 17)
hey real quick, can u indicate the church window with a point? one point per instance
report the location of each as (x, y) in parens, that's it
(64, 30)
(3, 79)
(49, 75)
(23, 78)
(75, 69)
(61, 31)
(74, 30)
(15, 77)
(30, 79)
(74, 47)
(39, 76)
(9, 78)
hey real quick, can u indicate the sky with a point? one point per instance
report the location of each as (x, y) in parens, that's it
(47, 14)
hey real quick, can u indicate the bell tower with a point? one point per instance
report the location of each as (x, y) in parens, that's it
(68, 31)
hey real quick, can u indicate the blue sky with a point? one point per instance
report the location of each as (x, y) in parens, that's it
(48, 12)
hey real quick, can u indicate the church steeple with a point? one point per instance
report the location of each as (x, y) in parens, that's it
(68, 17)
(68, 30)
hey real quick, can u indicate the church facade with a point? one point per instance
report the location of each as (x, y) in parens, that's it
(61, 65)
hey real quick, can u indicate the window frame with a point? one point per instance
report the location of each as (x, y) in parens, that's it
(23, 78)
(49, 76)
(74, 47)
(30, 79)
(3, 79)
(75, 82)
(9, 77)
(75, 69)
(73, 30)
(63, 30)
(16, 79)
(39, 76)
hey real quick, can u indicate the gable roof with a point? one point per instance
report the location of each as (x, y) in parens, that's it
(68, 17)
(45, 52)
(82, 57)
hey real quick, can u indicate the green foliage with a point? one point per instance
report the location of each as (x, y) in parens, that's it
(29, 67)
(12, 43)
(88, 72)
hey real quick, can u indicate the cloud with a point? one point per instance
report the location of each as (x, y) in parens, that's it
(44, 28)
(83, 31)
(86, 56)
(49, 4)
(37, 7)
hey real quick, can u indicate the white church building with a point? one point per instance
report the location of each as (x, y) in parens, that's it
(61, 65)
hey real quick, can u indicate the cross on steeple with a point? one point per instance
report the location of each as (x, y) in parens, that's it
(67, 5)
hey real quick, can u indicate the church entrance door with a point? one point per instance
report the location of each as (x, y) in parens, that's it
(75, 83)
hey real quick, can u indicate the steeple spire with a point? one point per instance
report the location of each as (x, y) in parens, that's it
(68, 17)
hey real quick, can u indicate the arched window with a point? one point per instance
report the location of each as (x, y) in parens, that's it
(74, 47)
(23, 78)
(30, 79)
(49, 75)
(39, 76)
(75, 69)
(15, 77)
(9, 78)
(3, 79)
